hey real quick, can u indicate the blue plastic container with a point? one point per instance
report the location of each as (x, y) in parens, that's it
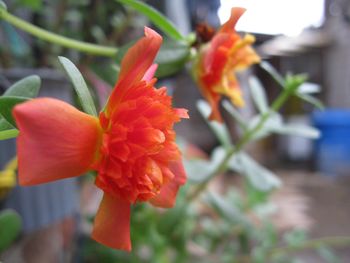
(332, 149)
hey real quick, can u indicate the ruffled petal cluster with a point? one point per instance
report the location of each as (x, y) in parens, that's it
(220, 59)
(131, 145)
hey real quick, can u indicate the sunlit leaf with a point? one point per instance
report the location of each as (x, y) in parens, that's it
(8, 134)
(27, 87)
(258, 94)
(155, 17)
(80, 86)
(309, 88)
(6, 106)
(299, 130)
(10, 227)
(219, 129)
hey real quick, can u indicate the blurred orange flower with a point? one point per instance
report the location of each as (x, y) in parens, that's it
(218, 61)
(131, 145)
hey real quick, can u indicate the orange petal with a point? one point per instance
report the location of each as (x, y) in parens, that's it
(150, 73)
(182, 113)
(135, 64)
(167, 196)
(236, 13)
(112, 223)
(215, 56)
(56, 141)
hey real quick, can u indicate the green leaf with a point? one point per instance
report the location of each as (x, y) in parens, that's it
(309, 88)
(258, 94)
(80, 86)
(155, 17)
(198, 170)
(33, 4)
(299, 130)
(328, 255)
(226, 209)
(273, 73)
(273, 123)
(6, 106)
(295, 238)
(171, 58)
(294, 82)
(10, 227)
(4, 125)
(260, 177)
(8, 134)
(312, 100)
(27, 87)
(3, 5)
(219, 129)
(235, 114)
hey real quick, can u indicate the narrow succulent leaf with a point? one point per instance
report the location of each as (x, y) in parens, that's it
(219, 129)
(299, 130)
(226, 209)
(27, 87)
(6, 106)
(258, 95)
(235, 114)
(199, 170)
(8, 134)
(80, 86)
(273, 123)
(155, 17)
(312, 100)
(309, 88)
(10, 227)
(260, 177)
(273, 73)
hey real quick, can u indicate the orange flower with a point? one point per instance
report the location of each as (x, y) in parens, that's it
(131, 145)
(218, 61)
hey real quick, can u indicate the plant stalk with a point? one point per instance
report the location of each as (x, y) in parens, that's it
(247, 136)
(57, 39)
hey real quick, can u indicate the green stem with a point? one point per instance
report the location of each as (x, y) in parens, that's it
(57, 39)
(248, 135)
(312, 244)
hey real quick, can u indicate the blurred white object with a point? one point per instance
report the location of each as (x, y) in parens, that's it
(274, 17)
(296, 147)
